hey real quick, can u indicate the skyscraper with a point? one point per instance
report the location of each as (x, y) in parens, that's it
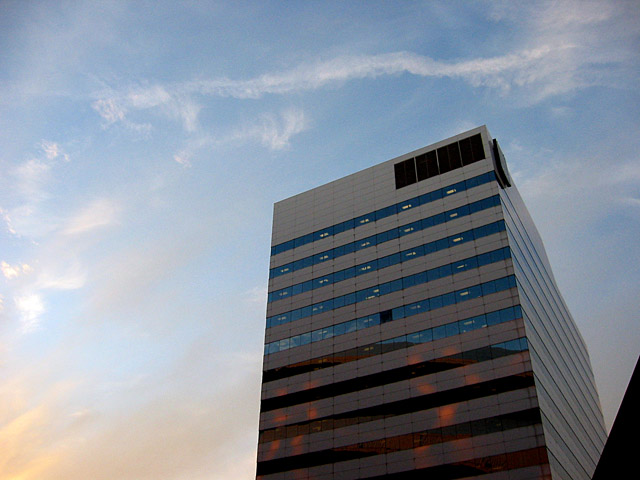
(415, 330)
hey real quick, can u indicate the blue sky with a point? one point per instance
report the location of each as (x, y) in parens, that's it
(143, 144)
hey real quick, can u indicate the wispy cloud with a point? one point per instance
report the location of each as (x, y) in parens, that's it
(99, 213)
(529, 66)
(502, 71)
(53, 150)
(51, 430)
(559, 55)
(273, 131)
(28, 183)
(55, 241)
(110, 109)
(30, 307)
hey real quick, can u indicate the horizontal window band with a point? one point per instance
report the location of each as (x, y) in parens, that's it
(401, 407)
(403, 311)
(377, 239)
(386, 377)
(388, 261)
(384, 212)
(432, 274)
(473, 467)
(403, 341)
(409, 441)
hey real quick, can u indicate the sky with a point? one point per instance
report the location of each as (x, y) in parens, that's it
(143, 144)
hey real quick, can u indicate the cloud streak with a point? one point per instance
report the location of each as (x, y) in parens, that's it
(270, 130)
(524, 68)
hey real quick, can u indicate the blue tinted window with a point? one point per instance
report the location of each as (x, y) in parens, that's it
(426, 336)
(439, 332)
(408, 282)
(489, 288)
(349, 299)
(448, 299)
(316, 336)
(467, 325)
(435, 302)
(364, 219)
(350, 326)
(396, 285)
(413, 338)
(502, 284)
(475, 291)
(407, 204)
(493, 318)
(382, 213)
(397, 313)
(452, 329)
(420, 278)
(339, 329)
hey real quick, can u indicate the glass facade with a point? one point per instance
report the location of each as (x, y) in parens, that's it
(414, 330)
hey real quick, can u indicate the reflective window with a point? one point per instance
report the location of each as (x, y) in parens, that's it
(386, 236)
(461, 326)
(396, 285)
(379, 214)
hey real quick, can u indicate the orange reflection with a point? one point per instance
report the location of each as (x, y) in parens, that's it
(311, 384)
(273, 449)
(280, 420)
(312, 413)
(447, 411)
(426, 388)
(471, 379)
(297, 447)
(450, 350)
(422, 456)
(415, 358)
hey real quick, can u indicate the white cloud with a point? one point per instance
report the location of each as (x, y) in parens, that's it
(186, 111)
(99, 213)
(69, 276)
(11, 272)
(182, 158)
(30, 177)
(30, 307)
(109, 109)
(7, 221)
(503, 71)
(272, 131)
(560, 57)
(563, 48)
(149, 97)
(275, 132)
(51, 150)
(28, 190)
(8, 271)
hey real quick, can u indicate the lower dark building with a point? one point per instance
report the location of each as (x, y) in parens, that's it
(616, 460)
